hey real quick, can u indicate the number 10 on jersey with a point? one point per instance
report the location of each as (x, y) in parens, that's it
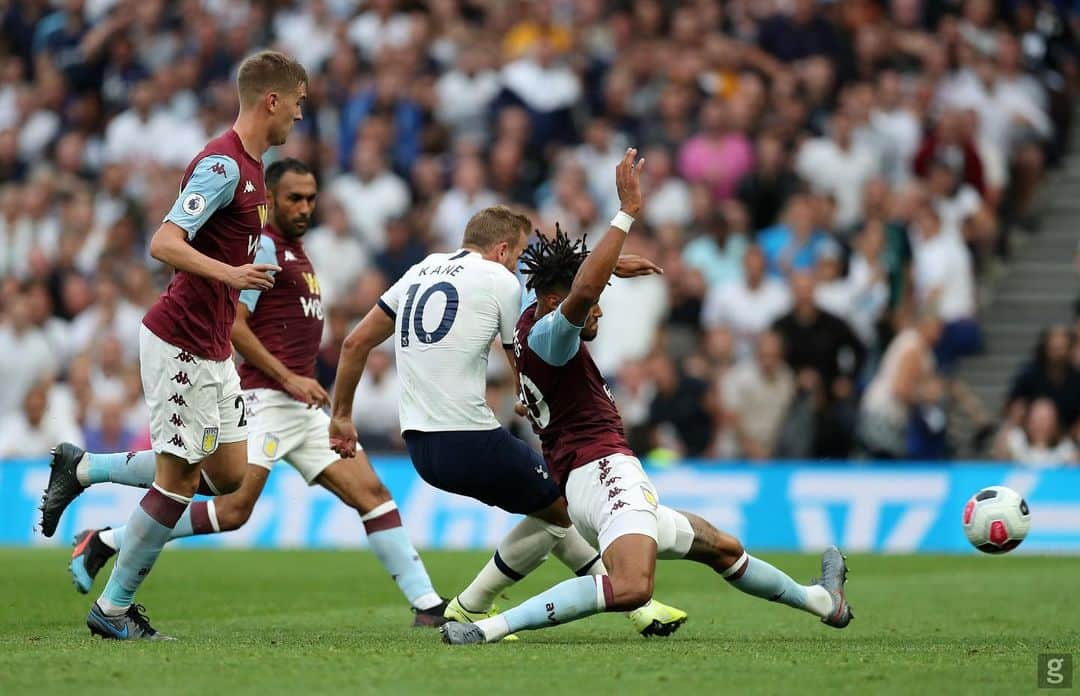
(414, 321)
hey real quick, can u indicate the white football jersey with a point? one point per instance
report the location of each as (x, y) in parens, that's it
(447, 309)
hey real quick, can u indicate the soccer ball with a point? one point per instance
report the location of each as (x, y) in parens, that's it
(996, 519)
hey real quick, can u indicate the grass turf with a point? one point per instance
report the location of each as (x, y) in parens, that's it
(318, 622)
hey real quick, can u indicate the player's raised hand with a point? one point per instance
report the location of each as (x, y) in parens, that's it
(628, 183)
(306, 390)
(252, 276)
(343, 436)
(632, 266)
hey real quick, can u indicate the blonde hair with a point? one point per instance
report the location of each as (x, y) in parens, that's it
(496, 224)
(268, 71)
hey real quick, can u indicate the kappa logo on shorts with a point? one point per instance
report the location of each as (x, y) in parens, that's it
(185, 357)
(209, 439)
(180, 378)
(619, 504)
(176, 440)
(614, 492)
(178, 400)
(176, 420)
(270, 446)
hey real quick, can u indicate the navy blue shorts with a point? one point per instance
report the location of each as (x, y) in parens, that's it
(491, 466)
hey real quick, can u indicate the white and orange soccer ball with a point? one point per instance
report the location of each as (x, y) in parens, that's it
(996, 519)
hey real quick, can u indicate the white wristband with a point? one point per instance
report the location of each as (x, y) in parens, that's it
(623, 221)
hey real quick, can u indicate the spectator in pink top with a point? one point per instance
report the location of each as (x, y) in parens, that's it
(720, 154)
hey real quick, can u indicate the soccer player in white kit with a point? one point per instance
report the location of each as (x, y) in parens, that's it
(443, 314)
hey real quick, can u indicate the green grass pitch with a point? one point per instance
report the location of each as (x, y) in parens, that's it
(319, 622)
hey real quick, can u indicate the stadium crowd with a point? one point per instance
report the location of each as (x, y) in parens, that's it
(828, 186)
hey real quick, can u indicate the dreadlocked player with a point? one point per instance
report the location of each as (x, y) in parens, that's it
(610, 499)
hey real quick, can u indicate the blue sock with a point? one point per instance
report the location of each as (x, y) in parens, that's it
(755, 576)
(145, 534)
(568, 601)
(127, 468)
(390, 544)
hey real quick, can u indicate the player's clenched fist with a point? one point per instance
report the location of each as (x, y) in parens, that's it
(628, 183)
(343, 436)
(252, 276)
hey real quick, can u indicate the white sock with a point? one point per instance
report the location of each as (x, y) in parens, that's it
(108, 537)
(110, 609)
(494, 628)
(427, 601)
(818, 601)
(82, 471)
(519, 553)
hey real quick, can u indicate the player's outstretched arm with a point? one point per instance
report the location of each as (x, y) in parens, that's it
(596, 270)
(253, 351)
(372, 330)
(170, 246)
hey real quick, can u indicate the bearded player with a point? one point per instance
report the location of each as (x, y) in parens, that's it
(609, 497)
(444, 313)
(198, 424)
(277, 333)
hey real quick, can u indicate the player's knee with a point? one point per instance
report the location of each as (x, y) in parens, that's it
(629, 593)
(234, 514)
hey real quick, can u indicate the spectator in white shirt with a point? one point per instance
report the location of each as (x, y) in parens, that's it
(748, 306)
(466, 92)
(598, 155)
(899, 127)
(371, 194)
(945, 286)
(468, 197)
(858, 299)
(1039, 443)
(110, 314)
(964, 215)
(755, 396)
(336, 255)
(668, 196)
(839, 166)
(308, 33)
(34, 429)
(381, 26)
(375, 408)
(139, 134)
(26, 357)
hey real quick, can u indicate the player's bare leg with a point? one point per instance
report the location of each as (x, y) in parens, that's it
(723, 553)
(114, 615)
(357, 485)
(225, 470)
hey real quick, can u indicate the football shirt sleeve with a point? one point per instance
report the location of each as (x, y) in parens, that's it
(209, 188)
(266, 253)
(554, 338)
(391, 299)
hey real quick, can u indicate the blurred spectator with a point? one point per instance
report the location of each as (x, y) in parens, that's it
(337, 256)
(466, 92)
(755, 395)
(718, 252)
(720, 155)
(861, 296)
(27, 359)
(668, 195)
(840, 166)
(34, 429)
(468, 196)
(683, 403)
(793, 244)
(747, 306)
(927, 434)
(1048, 375)
(766, 189)
(371, 195)
(945, 285)
(1039, 442)
(111, 433)
(375, 409)
(908, 362)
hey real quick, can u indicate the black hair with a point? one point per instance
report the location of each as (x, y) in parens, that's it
(277, 170)
(552, 264)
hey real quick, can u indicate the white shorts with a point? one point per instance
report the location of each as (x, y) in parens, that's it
(612, 497)
(195, 404)
(284, 428)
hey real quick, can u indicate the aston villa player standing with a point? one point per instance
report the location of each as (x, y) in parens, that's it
(197, 420)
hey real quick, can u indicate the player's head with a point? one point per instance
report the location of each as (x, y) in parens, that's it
(551, 265)
(273, 86)
(290, 191)
(499, 234)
